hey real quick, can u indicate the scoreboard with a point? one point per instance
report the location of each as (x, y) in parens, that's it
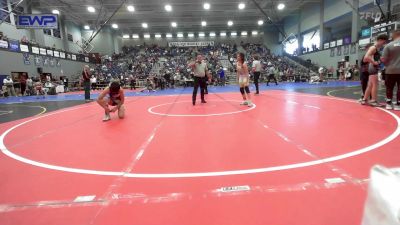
(383, 28)
(376, 30)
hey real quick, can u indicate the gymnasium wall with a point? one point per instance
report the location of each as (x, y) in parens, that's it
(103, 43)
(310, 14)
(164, 41)
(309, 17)
(323, 58)
(43, 39)
(269, 37)
(76, 33)
(13, 62)
(271, 40)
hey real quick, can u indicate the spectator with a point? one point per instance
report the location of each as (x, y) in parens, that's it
(221, 74)
(391, 59)
(93, 82)
(23, 78)
(132, 81)
(271, 74)
(65, 81)
(9, 83)
(29, 84)
(86, 82)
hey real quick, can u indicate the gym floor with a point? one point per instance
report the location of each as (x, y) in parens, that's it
(301, 155)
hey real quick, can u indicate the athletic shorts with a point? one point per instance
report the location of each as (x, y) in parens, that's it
(112, 102)
(243, 81)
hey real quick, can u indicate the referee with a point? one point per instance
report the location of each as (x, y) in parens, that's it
(200, 70)
(256, 71)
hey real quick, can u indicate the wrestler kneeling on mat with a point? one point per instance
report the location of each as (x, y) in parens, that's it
(113, 96)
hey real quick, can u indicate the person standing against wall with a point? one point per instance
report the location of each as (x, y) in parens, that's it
(256, 71)
(86, 82)
(23, 78)
(9, 83)
(391, 59)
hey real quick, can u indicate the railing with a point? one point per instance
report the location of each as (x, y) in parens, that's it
(302, 62)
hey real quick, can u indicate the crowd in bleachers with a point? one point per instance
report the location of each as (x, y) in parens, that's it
(164, 67)
(168, 66)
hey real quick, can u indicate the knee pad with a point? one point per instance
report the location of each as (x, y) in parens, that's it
(247, 89)
(242, 90)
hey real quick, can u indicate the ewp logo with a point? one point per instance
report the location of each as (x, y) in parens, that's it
(45, 21)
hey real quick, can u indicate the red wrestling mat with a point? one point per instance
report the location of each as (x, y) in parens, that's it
(293, 159)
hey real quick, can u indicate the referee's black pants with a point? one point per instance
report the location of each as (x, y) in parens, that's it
(199, 81)
(256, 79)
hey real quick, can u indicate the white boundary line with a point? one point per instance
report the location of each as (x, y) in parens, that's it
(150, 110)
(372, 147)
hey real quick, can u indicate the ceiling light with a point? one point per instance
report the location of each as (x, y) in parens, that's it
(222, 34)
(233, 33)
(201, 35)
(174, 24)
(144, 25)
(86, 27)
(254, 32)
(91, 9)
(158, 35)
(281, 6)
(241, 5)
(260, 22)
(114, 25)
(135, 36)
(147, 36)
(230, 23)
(55, 11)
(180, 35)
(130, 8)
(203, 23)
(244, 33)
(169, 35)
(212, 34)
(191, 35)
(168, 8)
(126, 36)
(206, 6)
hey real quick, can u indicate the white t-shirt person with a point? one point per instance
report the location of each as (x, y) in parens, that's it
(93, 80)
(321, 70)
(8, 81)
(256, 66)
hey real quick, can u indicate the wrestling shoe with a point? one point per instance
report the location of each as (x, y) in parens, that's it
(107, 117)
